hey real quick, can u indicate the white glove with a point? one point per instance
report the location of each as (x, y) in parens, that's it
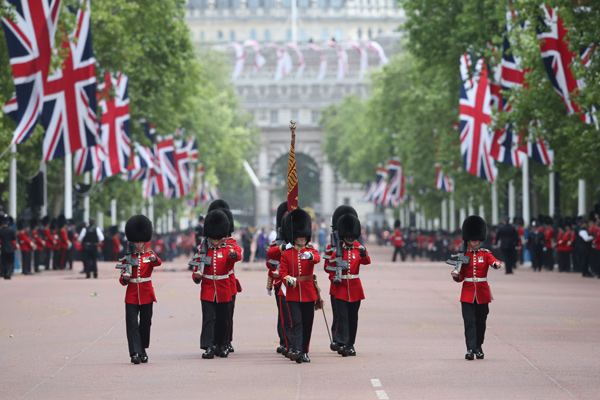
(307, 255)
(289, 246)
(269, 292)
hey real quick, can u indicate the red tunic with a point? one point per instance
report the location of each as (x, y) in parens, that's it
(478, 268)
(351, 289)
(63, 239)
(396, 238)
(24, 241)
(139, 289)
(39, 242)
(292, 265)
(215, 284)
(49, 238)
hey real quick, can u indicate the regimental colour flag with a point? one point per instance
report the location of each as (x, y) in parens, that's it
(475, 117)
(292, 176)
(30, 39)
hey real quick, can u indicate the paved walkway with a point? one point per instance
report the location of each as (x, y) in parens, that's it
(63, 337)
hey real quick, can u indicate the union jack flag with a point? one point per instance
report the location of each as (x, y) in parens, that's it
(369, 190)
(442, 182)
(475, 117)
(90, 159)
(142, 162)
(557, 59)
(380, 185)
(114, 130)
(29, 38)
(69, 112)
(165, 154)
(153, 184)
(395, 190)
(184, 172)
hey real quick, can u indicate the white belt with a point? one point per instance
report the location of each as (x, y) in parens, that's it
(140, 280)
(475, 279)
(216, 277)
(350, 276)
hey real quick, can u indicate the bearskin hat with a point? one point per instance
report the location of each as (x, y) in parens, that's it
(20, 224)
(341, 210)
(297, 224)
(218, 204)
(281, 210)
(397, 224)
(216, 224)
(348, 226)
(46, 220)
(138, 229)
(474, 228)
(61, 221)
(33, 224)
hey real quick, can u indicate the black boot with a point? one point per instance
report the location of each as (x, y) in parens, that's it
(351, 351)
(479, 354)
(223, 351)
(334, 346)
(280, 349)
(343, 351)
(209, 353)
(305, 358)
(295, 355)
(144, 358)
(469, 356)
(136, 359)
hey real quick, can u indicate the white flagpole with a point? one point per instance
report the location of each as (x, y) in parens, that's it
(551, 189)
(494, 203)
(44, 210)
(113, 212)
(12, 184)
(452, 212)
(68, 186)
(581, 202)
(512, 200)
(151, 211)
(444, 222)
(525, 173)
(86, 200)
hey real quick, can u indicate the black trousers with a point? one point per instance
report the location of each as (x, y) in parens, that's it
(37, 260)
(283, 319)
(474, 318)
(398, 250)
(510, 257)
(549, 259)
(90, 260)
(230, 323)
(348, 321)
(138, 333)
(335, 321)
(7, 262)
(564, 261)
(47, 257)
(536, 259)
(26, 260)
(215, 321)
(302, 315)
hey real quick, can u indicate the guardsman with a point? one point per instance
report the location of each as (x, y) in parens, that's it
(274, 282)
(397, 242)
(26, 246)
(476, 294)
(63, 241)
(215, 290)
(139, 297)
(38, 253)
(48, 241)
(234, 283)
(301, 292)
(349, 293)
(329, 266)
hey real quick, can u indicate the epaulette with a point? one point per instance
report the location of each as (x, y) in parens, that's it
(483, 249)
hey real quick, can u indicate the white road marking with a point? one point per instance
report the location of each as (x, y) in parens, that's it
(381, 395)
(376, 382)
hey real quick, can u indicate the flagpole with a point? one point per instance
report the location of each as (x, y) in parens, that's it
(68, 185)
(551, 193)
(494, 203)
(512, 200)
(86, 200)
(44, 210)
(444, 222)
(452, 212)
(581, 202)
(12, 185)
(525, 174)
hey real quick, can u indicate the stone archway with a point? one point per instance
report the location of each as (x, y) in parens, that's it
(276, 144)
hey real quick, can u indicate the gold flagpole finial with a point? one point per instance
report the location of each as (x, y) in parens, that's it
(292, 126)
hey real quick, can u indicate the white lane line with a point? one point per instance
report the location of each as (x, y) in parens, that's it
(533, 366)
(381, 395)
(376, 382)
